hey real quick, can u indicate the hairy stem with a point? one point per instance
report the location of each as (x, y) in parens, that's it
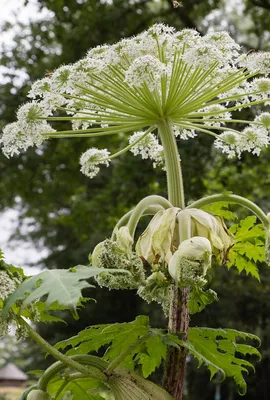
(173, 380)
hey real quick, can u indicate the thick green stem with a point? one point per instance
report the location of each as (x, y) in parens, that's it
(67, 361)
(233, 198)
(172, 163)
(173, 380)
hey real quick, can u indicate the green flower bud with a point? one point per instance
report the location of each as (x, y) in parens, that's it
(118, 255)
(156, 288)
(190, 262)
(38, 395)
(95, 257)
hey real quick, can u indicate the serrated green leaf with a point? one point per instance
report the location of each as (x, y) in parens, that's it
(221, 209)
(249, 246)
(118, 338)
(63, 287)
(199, 299)
(153, 354)
(218, 350)
(93, 338)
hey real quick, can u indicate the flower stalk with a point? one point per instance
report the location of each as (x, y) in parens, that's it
(173, 380)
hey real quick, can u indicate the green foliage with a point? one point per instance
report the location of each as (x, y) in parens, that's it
(249, 246)
(62, 288)
(145, 347)
(83, 389)
(145, 344)
(64, 204)
(199, 299)
(219, 351)
(222, 209)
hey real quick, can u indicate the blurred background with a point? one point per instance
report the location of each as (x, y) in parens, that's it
(52, 216)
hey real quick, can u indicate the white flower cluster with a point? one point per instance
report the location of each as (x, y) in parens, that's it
(7, 285)
(216, 115)
(91, 159)
(256, 61)
(27, 131)
(147, 147)
(146, 70)
(195, 82)
(252, 139)
(183, 133)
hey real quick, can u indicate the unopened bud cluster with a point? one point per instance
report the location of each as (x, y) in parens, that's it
(158, 261)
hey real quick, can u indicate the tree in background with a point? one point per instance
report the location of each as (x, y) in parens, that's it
(59, 210)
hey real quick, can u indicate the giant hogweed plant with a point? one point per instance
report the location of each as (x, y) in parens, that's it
(157, 88)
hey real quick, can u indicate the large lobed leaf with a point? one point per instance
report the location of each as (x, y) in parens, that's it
(219, 351)
(62, 288)
(117, 338)
(249, 246)
(200, 298)
(221, 209)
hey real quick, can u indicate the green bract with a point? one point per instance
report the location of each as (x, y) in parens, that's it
(158, 242)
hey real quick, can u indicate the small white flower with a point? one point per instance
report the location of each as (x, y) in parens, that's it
(148, 147)
(203, 55)
(224, 43)
(256, 62)
(40, 88)
(228, 143)
(262, 86)
(264, 120)
(253, 139)
(187, 37)
(183, 133)
(91, 159)
(145, 70)
(27, 131)
(215, 112)
(7, 285)
(61, 78)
